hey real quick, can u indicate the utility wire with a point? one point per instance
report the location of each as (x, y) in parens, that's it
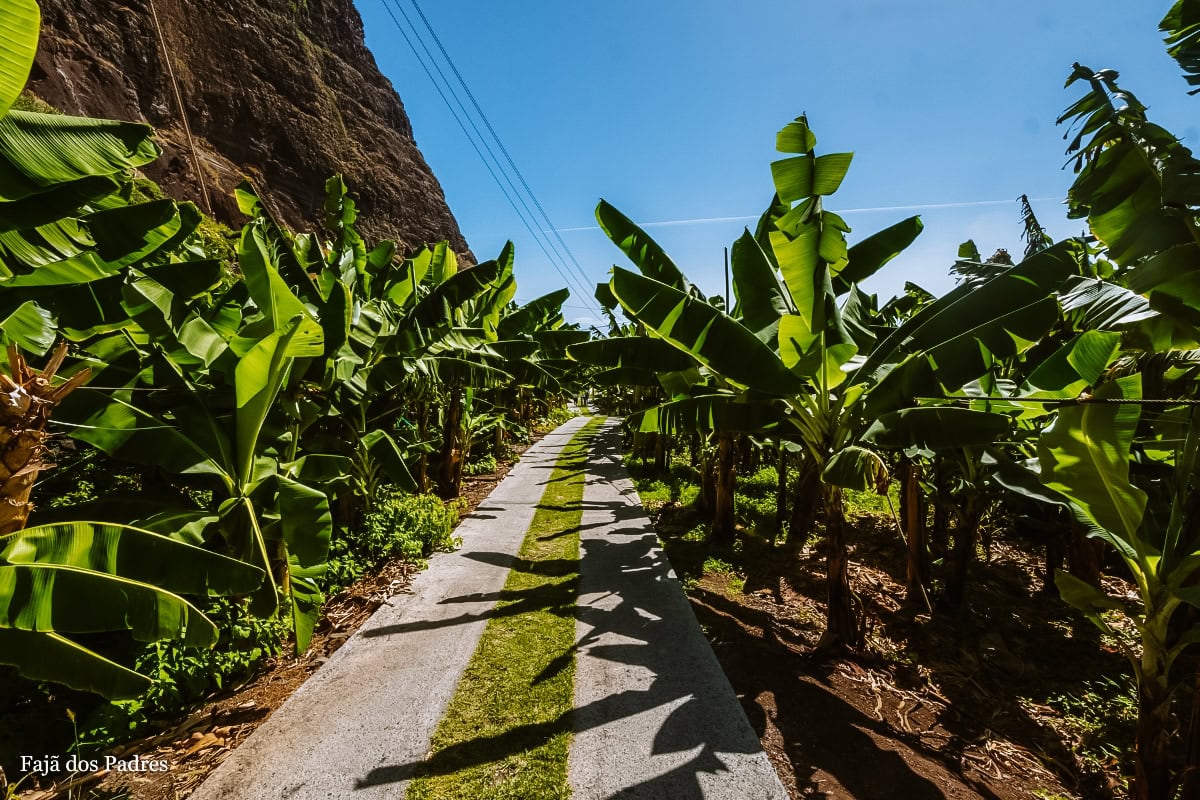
(479, 137)
(508, 157)
(187, 128)
(559, 264)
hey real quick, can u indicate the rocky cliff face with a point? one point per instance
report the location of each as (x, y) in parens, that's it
(282, 91)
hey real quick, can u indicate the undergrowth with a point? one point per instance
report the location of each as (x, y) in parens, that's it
(408, 527)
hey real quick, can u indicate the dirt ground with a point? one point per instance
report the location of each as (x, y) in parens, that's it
(938, 707)
(195, 746)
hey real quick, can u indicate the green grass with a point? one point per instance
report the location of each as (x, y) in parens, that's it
(506, 734)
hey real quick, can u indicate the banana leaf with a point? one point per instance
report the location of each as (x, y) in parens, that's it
(20, 21)
(640, 247)
(712, 338)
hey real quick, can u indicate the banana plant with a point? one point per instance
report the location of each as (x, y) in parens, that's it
(832, 392)
(69, 241)
(1135, 186)
(219, 371)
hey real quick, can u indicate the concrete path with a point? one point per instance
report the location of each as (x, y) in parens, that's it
(655, 717)
(356, 727)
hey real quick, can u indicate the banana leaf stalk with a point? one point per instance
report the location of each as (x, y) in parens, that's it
(29, 399)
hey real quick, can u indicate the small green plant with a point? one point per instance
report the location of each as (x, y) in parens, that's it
(482, 466)
(186, 675)
(714, 564)
(557, 416)
(410, 527)
(1099, 722)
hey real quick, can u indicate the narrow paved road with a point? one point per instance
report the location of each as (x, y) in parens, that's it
(654, 717)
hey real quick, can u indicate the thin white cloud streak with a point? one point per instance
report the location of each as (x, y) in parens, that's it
(711, 220)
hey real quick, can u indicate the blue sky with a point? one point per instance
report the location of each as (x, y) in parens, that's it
(669, 111)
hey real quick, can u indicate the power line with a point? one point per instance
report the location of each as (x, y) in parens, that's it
(404, 32)
(478, 141)
(471, 96)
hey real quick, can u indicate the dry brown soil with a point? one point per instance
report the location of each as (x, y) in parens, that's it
(937, 707)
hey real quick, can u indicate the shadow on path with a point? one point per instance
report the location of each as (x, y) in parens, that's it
(656, 717)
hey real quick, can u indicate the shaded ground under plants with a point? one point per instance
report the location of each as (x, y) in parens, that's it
(1015, 696)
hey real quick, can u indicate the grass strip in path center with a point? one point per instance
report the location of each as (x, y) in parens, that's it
(507, 732)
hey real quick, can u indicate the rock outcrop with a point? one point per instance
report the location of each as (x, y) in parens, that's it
(282, 91)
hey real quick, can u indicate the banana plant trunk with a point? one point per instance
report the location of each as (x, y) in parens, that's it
(726, 476)
(450, 468)
(422, 435)
(1085, 555)
(912, 517)
(780, 490)
(706, 498)
(841, 624)
(1191, 766)
(807, 501)
(1152, 751)
(660, 452)
(30, 398)
(939, 539)
(965, 536)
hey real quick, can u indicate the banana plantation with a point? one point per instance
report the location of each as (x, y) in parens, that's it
(243, 406)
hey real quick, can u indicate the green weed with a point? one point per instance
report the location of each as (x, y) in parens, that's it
(483, 466)
(185, 675)
(1099, 722)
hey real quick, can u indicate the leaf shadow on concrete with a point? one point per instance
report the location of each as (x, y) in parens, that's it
(642, 629)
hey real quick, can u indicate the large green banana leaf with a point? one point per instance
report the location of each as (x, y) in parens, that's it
(712, 338)
(258, 377)
(114, 423)
(936, 428)
(1014, 297)
(20, 21)
(1132, 174)
(436, 307)
(626, 376)
(642, 352)
(257, 255)
(544, 312)
(1182, 27)
(41, 597)
(306, 526)
(807, 352)
(45, 656)
(963, 356)
(131, 553)
(761, 299)
(55, 202)
(855, 467)
(1074, 367)
(82, 577)
(39, 151)
(451, 371)
(1084, 456)
(807, 176)
(1097, 304)
(705, 413)
(640, 247)
(30, 327)
(871, 254)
